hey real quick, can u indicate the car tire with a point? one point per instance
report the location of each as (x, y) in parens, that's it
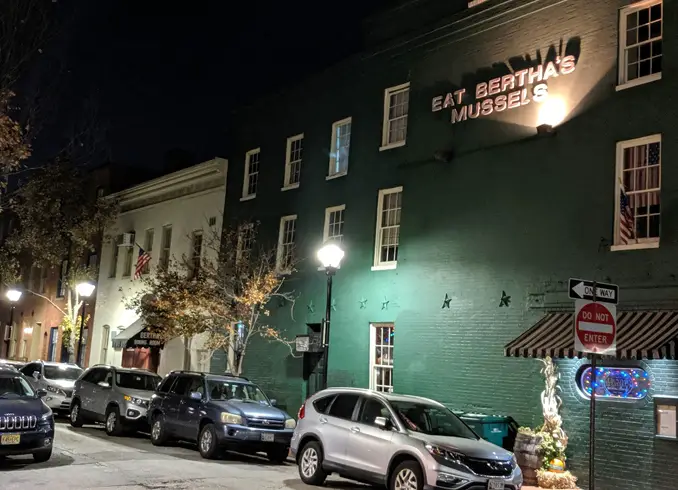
(208, 444)
(278, 455)
(158, 432)
(113, 423)
(75, 416)
(311, 464)
(407, 474)
(42, 455)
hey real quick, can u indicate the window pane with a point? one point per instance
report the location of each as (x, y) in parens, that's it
(343, 406)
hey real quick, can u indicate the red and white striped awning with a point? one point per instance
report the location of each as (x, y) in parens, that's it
(640, 335)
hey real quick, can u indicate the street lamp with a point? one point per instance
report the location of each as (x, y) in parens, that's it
(84, 290)
(330, 256)
(13, 295)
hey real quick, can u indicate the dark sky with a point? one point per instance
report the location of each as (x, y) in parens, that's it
(166, 74)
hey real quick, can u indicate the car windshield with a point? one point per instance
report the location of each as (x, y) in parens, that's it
(431, 419)
(15, 387)
(137, 381)
(69, 373)
(230, 390)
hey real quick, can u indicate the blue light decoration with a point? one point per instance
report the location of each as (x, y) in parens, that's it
(616, 383)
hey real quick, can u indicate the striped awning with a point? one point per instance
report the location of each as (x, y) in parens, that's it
(640, 335)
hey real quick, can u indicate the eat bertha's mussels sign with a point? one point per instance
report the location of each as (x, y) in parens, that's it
(523, 86)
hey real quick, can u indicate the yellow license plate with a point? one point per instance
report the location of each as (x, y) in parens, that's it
(8, 439)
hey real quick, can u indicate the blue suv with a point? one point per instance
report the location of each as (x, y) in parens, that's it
(219, 412)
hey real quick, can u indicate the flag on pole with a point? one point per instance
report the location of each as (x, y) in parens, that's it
(144, 258)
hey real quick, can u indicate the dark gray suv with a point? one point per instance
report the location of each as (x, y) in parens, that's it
(219, 412)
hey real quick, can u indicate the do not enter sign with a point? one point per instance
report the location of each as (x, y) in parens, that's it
(595, 327)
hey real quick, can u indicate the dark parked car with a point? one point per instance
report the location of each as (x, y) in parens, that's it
(26, 423)
(219, 412)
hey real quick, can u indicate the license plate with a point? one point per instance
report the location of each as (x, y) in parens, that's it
(9, 439)
(267, 437)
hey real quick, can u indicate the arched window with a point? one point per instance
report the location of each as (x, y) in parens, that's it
(614, 383)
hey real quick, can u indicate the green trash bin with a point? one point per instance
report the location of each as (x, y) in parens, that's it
(492, 428)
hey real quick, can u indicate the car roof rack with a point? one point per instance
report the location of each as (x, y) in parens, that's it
(186, 371)
(231, 375)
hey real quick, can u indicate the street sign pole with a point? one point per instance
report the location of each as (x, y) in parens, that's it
(592, 415)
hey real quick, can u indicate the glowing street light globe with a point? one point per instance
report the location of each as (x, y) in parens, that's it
(13, 295)
(330, 256)
(85, 289)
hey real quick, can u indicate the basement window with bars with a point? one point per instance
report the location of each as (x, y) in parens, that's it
(381, 356)
(640, 43)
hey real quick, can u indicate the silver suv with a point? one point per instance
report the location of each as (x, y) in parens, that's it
(56, 378)
(403, 442)
(119, 397)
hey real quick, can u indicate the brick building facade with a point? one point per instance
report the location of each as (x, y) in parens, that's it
(488, 156)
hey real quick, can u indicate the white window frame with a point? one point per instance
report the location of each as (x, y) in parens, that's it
(326, 228)
(281, 233)
(331, 174)
(246, 196)
(373, 358)
(378, 265)
(643, 243)
(287, 185)
(149, 238)
(115, 255)
(385, 145)
(245, 231)
(165, 247)
(197, 237)
(622, 83)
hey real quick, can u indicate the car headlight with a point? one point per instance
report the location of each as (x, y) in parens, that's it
(46, 419)
(137, 401)
(514, 461)
(56, 390)
(230, 418)
(447, 456)
(290, 424)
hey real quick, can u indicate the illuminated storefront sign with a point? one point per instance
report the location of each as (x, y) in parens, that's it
(506, 92)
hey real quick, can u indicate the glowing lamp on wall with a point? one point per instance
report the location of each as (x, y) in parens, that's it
(551, 113)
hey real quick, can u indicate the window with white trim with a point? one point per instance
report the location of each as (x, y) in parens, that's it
(334, 223)
(381, 356)
(396, 108)
(640, 42)
(165, 247)
(387, 238)
(251, 180)
(294, 155)
(115, 253)
(286, 239)
(638, 193)
(148, 248)
(341, 145)
(245, 240)
(196, 254)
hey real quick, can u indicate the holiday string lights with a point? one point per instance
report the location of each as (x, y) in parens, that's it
(617, 383)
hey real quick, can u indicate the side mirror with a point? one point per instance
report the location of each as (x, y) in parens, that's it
(36, 374)
(42, 393)
(196, 396)
(274, 402)
(103, 384)
(383, 423)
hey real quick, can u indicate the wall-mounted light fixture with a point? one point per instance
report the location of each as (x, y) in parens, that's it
(551, 113)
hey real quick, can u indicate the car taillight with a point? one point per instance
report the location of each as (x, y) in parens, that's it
(302, 411)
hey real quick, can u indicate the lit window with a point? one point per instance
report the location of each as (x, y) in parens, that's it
(251, 181)
(614, 383)
(381, 356)
(334, 223)
(396, 107)
(341, 145)
(640, 43)
(295, 153)
(286, 237)
(638, 205)
(387, 240)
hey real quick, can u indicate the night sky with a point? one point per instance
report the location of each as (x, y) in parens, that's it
(166, 74)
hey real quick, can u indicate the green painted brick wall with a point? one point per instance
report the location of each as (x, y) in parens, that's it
(510, 212)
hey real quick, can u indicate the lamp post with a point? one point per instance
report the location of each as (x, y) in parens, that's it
(13, 295)
(330, 256)
(84, 290)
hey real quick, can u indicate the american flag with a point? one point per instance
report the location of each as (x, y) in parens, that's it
(144, 258)
(626, 221)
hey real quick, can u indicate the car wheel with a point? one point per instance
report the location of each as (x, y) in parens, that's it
(278, 455)
(311, 464)
(42, 456)
(114, 425)
(207, 442)
(407, 476)
(158, 432)
(76, 415)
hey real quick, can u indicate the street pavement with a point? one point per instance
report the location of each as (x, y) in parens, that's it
(87, 458)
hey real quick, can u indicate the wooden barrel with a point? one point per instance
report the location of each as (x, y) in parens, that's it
(526, 449)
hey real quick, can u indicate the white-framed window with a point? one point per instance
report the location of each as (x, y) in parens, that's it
(293, 158)
(115, 253)
(105, 338)
(396, 108)
(340, 149)
(640, 43)
(148, 248)
(286, 239)
(9, 329)
(251, 180)
(245, 240)
(638, 193)
(334, 223)
(387, 239)
(129, 259)
(381, 356)
(165, 247)
(196, 253)
(204, 358)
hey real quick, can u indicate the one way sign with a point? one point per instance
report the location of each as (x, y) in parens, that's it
(583, 289)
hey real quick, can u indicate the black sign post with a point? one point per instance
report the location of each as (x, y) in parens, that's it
(593, 291)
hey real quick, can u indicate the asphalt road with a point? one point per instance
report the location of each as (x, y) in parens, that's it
(87, 458)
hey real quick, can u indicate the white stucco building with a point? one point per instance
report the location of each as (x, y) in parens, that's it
(167, 217)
